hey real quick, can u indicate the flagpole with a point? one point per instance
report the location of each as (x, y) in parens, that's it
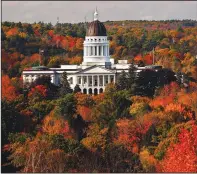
(153, 55)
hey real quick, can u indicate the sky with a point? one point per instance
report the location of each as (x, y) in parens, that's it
(77, 11)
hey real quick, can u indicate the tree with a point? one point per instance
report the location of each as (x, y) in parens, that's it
(145, 83)
(77, 89)
(55, 125)
(66, 107)
(52, 90)
(181, 157)
(65, 86)
(37, 93)
(12, 121)
(122, 82)
(9, 92)
(37, 156)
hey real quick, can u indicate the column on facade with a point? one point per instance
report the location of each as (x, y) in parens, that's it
(89, 50)
(36, 76)
(97, 80)
(108, 78)
(107, 50)
(92, 50)
(93, 47)
(87, 81)
(82, 80)
(52, 78)
(84, 51)
(103, 80)
(87, 89)
(97, 50)
(98, 84)
(30, 78)
(92, 80)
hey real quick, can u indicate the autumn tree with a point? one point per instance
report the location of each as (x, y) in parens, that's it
(9, 92)
(37, 93)
(181, 156)
(37, 155)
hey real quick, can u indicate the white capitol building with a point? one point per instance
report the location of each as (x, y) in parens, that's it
(96, 70)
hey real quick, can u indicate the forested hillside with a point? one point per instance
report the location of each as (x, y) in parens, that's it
(136, 125)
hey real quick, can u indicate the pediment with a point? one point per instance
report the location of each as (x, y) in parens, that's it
(96, 70)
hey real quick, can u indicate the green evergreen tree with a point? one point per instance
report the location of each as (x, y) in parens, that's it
(122, 82)
(65, 86)
(131, 77)
(77, 89)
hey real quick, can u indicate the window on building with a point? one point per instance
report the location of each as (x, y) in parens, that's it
(90, 80)
(111, 78)
(79, 79)
(84, 79)
(100, 80)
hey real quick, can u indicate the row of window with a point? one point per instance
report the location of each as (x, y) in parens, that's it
(97, 40)
(95, 80)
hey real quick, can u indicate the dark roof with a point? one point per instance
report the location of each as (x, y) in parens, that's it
(39, 68)
(96, 28)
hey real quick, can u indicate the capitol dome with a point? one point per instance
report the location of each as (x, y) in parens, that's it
(96, 28)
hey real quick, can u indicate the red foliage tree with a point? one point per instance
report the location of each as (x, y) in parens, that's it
(182, 156)
(148, 59)
(130, 133)
(37, 93)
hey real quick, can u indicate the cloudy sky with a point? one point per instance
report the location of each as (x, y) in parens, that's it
(75, 11)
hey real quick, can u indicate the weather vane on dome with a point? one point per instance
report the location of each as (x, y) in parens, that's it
(95, 15)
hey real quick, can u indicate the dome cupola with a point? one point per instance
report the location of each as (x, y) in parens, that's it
(96, 28)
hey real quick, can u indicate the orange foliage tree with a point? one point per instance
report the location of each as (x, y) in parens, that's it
(55, 125)
(8, 90)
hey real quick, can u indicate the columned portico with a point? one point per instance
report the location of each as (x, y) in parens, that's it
(94, 81)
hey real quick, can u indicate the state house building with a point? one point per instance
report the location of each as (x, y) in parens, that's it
(97, 68)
